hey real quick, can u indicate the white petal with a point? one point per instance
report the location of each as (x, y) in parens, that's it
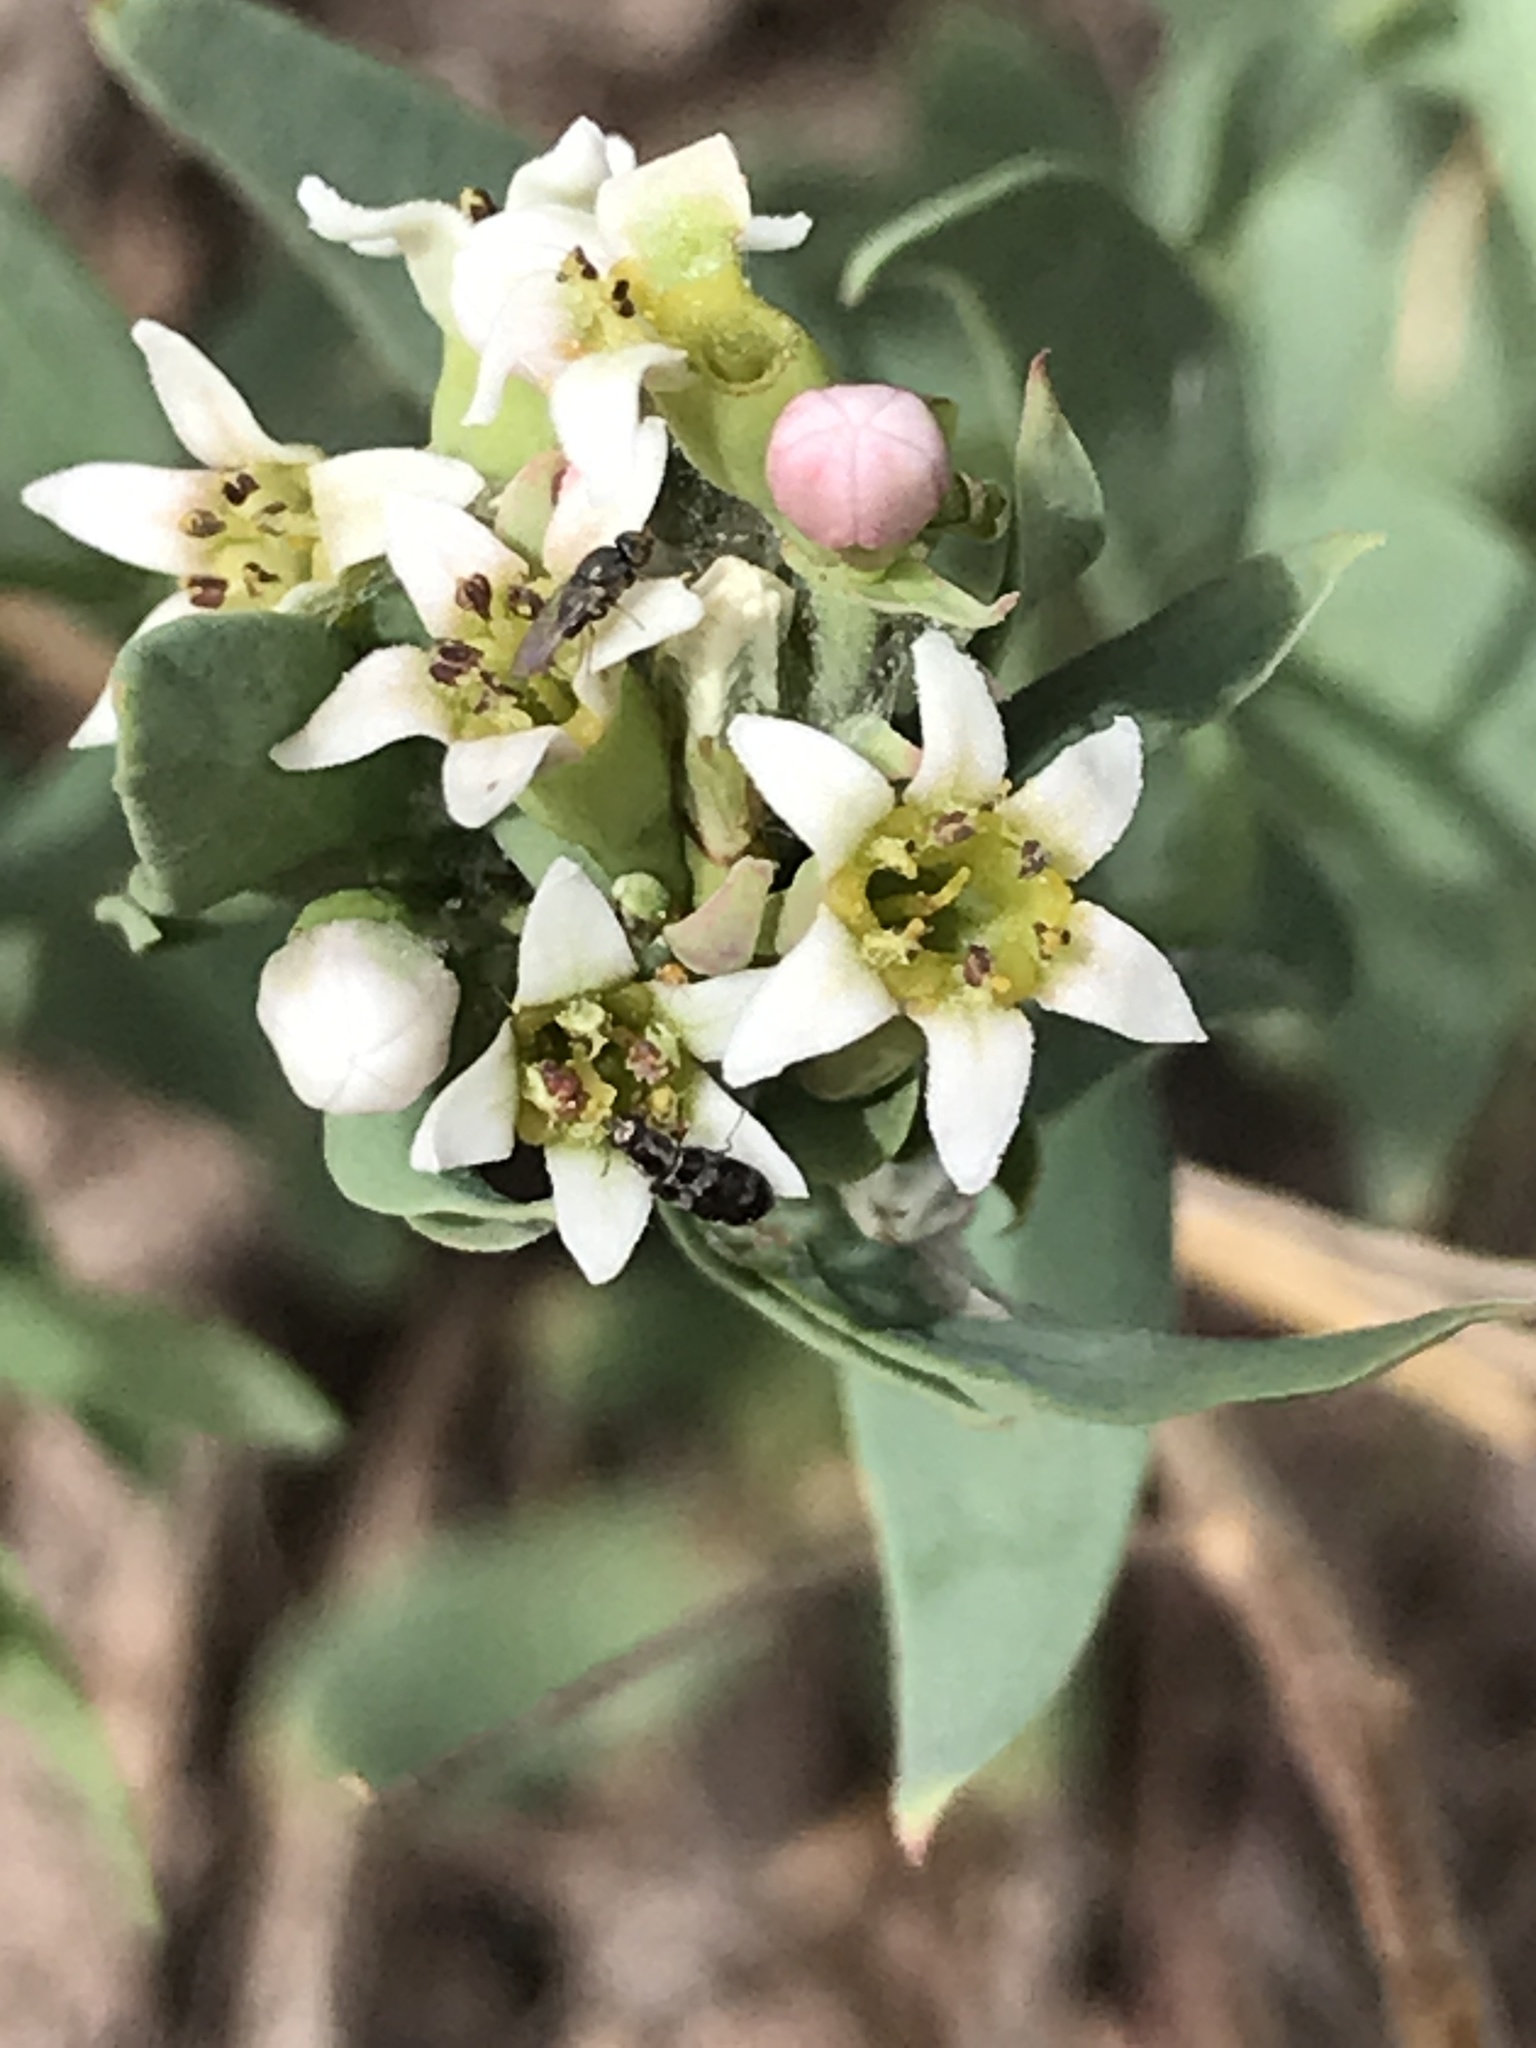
(432, 548)
(502, 254)
(964, 753)
(99, 727)
(209, 417)
(978, 1069)
(595, 406)
(570, 173)
(1114, 977)
(532, 336)
(767, 233)
(474, 1119)
(572, 941)
(602, 1205)
(705, 1014)
(821, 996)
(128, 510)
(483, 778)
(1079, 805)
(585, 517)
(630, 208)
(717, 1120)
(428, 233)
(385, 697)
(655, 610)
(349, 493)
(828, 795)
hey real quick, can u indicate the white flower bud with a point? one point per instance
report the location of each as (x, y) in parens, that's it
(359, 1014)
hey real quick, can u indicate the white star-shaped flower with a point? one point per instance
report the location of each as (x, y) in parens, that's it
(952, 902)
(587, 1042)
(255, 528)
(498, 728)
(557, 274)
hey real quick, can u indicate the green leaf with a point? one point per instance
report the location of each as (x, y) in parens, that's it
(1058, 508)
(40, 1691)
(265, 100)
(615, 802)
(369, 1159)
(999, 1545)
(1157, 402)
(153, 1366)
(73, 388)
(474, 1629)
(1199, 657)
(201, 702)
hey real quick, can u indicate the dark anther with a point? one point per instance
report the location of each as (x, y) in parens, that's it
(473, 594)
(256, 577)
(445, 672)
(951, 828)
(202, 524)
(584, 264)
(273, 511)
(978, 966)
(207, 592)
(1032, 860)
(564, 1088)
(238, 488)
(523, 602)
(476, 203)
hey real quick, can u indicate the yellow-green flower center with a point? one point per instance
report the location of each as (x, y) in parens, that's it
(952, 903)
(260, 538)
(594, 1057)
(473, 666)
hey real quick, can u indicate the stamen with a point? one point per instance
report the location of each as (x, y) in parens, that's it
(476, 203)
(207, 592)
(473, 594)
(238, 488)
(978, 966)
(647, 1062)
(584, 265)
(202, 524)
(673, 973)
(1032, 859)
(566, 1090)
(952, 828)
(257, 579)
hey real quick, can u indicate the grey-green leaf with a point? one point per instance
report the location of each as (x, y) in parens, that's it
(369, 1160)
(1197, 658)
(152, 1366)
(1058, 508)
(73, 388)
(201, 702)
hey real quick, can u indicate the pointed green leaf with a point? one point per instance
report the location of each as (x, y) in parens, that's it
(1197, 658)
(1058, 508)
(266, 100)
(73, 388)
(150, 1365)
(40, 1691)
(201, 702)
(998, 1545)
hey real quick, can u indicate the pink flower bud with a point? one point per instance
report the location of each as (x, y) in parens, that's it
(858, 465)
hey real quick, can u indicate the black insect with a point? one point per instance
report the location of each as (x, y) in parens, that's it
(711, 1185)
(595, 586)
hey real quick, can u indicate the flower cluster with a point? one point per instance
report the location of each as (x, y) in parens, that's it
(645, 489)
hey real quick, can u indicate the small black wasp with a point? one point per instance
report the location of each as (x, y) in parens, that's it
(710, 1185)
(595, 586)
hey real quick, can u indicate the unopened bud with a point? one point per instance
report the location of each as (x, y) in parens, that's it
(858, 465)
(359, 1014)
